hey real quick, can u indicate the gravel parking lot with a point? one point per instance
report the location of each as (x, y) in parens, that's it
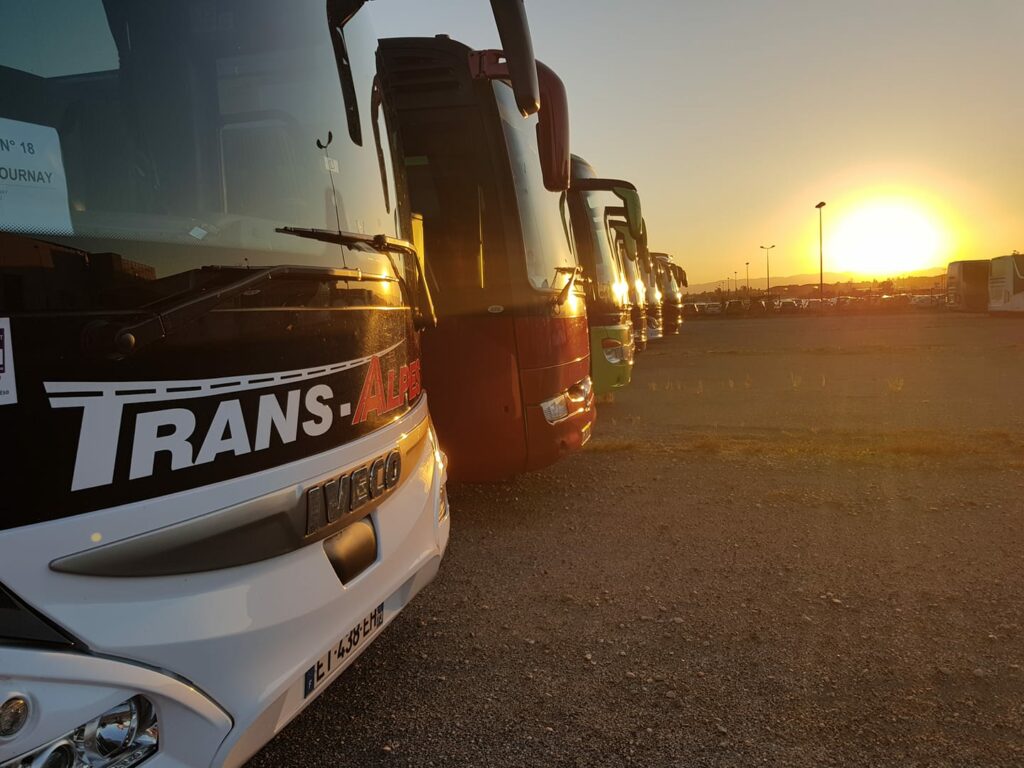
(791, 542)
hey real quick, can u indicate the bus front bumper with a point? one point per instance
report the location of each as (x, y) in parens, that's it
(226, 658)
(553, 432)
(611, 357)
(672, 319)
(654, 322)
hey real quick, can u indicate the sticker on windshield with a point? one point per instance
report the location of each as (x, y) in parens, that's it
(8, 390)
(33, 187)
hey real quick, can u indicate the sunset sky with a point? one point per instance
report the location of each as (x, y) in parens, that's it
(735, 118)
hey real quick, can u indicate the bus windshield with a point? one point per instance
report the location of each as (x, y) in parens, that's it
(632, 273)
(542, 214)
(667, 280)
(607, 273)
(149, 139)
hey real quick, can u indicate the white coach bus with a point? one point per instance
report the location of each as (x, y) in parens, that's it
(1006, 285)
(218, 476)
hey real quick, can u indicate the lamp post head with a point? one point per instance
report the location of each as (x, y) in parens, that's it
(820, 205)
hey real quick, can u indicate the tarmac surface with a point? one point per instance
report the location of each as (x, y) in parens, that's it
(791, 542)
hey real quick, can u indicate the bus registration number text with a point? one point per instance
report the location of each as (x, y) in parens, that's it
(336, 657)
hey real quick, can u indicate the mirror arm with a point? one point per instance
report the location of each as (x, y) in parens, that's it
(552, 117)
(563, 295)
(600, 185)
(514, 32)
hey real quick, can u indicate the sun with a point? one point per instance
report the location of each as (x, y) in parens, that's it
(886, 237)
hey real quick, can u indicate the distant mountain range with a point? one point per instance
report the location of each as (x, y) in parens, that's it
(831, 278)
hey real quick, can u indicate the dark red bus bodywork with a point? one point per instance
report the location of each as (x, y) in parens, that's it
(497, 353)
(495, 429)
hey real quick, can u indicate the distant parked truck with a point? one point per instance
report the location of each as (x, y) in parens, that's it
(967, 285)
(1006, 285)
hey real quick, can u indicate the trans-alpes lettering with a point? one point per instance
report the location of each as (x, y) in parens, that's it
(375, 398)
(179, 439)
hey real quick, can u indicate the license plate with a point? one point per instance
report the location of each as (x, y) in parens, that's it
(335, 658)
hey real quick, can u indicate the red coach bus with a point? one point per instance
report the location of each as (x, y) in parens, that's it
(508, 365)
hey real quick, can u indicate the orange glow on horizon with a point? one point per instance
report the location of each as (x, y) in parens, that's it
(886, 236)
(888, 219)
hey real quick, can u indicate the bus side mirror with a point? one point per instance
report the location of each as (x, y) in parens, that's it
(553, 130)
(641, 246)
(552, 118)
(631, 202)
(517, 43)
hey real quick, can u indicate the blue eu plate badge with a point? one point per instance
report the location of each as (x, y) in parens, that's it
(8, 389)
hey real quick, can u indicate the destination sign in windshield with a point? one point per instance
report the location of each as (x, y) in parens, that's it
(33, 187)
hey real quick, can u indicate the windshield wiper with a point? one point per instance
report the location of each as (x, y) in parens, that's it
(122, 340)
(379, 243)
(574, 273)
(424, 308)
(108, 338)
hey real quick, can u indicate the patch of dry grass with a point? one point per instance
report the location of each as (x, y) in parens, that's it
(613, 445)
(904, 445)
(705, 444)
(992, 449)
(784, 494)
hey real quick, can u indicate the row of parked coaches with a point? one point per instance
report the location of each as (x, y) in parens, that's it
(831, 305)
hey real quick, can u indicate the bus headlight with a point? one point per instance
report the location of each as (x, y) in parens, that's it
(555, 409)
(58, 755)
(580, 391)
(122, 737)
(614, 351)
(13, 716)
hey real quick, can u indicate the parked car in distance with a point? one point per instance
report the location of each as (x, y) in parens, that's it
(756, 308)
(926, 301)
(691, 310)
(789, 307)
(734, 308)
(712, 308)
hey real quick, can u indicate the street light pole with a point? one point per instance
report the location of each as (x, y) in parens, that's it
(748, 280)
(767, 273)
(821, 258)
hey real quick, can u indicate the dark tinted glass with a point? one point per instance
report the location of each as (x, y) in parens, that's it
(595, 246)
(149, 139)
